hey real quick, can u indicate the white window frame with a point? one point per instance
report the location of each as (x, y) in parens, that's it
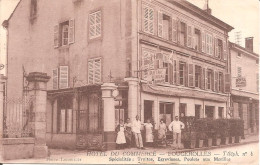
(63, 38)
(94, 70)
(149, 20)
(96, 24)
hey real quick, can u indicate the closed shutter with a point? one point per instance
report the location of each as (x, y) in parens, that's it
(91, 72)
(202, 78)
(227, 83)
(56, 36)
(71, 32)
(186, 75)
(203, 42)
(160, 24)
(170, 67)
(64, 77)
(92, 27)
(174, 30)
(193, 38)
(216, 81)
(98, 23)
(225, 50)
(191, 75)
(189, 36)
(206, 79)
(151, 21)
(97, 72)
(146, 19)
(216, 47)
(55, 78)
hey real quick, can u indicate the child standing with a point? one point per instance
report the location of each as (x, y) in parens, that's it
(120, 139)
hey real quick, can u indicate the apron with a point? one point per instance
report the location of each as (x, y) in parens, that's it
(121, 136)
(149, 132)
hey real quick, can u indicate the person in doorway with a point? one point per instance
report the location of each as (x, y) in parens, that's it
(176, 126)
(128, 133)
(162, 132)
(136, 128)
(120, 139)
(148, 132)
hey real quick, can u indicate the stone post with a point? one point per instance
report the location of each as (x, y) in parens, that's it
(37, 89)
(132, 97)
(109, 115)
(2, 82)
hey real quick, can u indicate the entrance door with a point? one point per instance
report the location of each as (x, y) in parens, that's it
(148, 110)
(182, 109)
(166, 112)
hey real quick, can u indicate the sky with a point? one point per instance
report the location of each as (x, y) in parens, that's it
(243, 15)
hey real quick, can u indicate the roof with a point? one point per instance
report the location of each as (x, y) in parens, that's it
(244, 50)
(201, 13)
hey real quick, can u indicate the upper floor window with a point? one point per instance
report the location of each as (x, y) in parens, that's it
(148, 20)
(33, 10)
(209, 44)
(198, 76)
(218, 48)
(95, 25)
(60, 77)
(164, 25)
(94, 71)
(64, 33)
(239, 55)
(197, 39)
(182, 70)
(239, 71)
(183, 34)
(221, 82)
(210, 79)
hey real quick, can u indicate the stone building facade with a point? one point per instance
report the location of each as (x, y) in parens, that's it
(112, 60)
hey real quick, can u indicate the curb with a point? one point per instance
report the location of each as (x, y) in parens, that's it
(217, 147)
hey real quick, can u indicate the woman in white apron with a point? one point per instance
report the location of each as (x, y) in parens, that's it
(120, 139)
(148, 133)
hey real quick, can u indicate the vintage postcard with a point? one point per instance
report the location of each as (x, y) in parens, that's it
(129, 82)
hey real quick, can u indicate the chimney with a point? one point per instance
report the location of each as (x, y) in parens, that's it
(206, 7)
(249, 43)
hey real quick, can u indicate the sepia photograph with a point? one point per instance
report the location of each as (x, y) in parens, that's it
(129, 82)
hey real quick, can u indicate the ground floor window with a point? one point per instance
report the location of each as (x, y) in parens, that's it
(166, 112)
(198, 111)
(148, 110)
(220, 112)
(65, 114)
(209, 111)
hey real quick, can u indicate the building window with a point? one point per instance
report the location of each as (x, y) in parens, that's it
(168, 72)
(239, 71)
(183, 34)
(197, 39)
(182, 71)
(209, 44)
(94, 71)
(95, 25)
(221, 82)
(219, 48)
(164, 25)
(65, 105)
(197, 76)
(148, 18)
(210, 79)
(64, 33)
(60, 77)
(33, 11)
(166, 112)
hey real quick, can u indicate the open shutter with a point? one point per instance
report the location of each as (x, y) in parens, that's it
(97, 71)
(64, 77)
(98, 23)
(91, 72)
(151, 21)
(212, 81)
(189, 36)
(225, 50)
(203, 74)
(146, 19)
(55, 78)
(227, 83)
(206, 79)
(177, 72)
(191, 75)
(174, 30)
(203, 42)
(71, 32)
(179, 30)
(186, 74)
(216, 47)
(193, 38)
(216, 81)
(56, 36)
(170, 67)
(160, 24)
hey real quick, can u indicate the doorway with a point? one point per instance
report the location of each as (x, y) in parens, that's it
(166, 112)
(183, 109)
(148, 110)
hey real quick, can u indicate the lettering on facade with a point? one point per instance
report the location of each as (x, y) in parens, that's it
(241, 82)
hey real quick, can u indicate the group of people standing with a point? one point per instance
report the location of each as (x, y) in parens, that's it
(126, 132)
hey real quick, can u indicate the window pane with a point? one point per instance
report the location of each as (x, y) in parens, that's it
(69, 120)
(62, 120)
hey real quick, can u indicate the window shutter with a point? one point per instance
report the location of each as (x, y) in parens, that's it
(189, 36)
(193, 38)
(170, 67)
(64, 77)
(71, 31)
(203, 42)
(216, 47)
(227, 83)
(55, 77)
(203, 78)
(216, 81)
(151, 21)
(91, 72)
(97, 72)
(98, 23)
(174, 30)
(56, 36)
(212, 81)
(186, 74)
(92, 27)
(191, 76)
(206, 78)
(225, 50)
(160, 24)
(177, 73)
(179, 30)
(146, 19)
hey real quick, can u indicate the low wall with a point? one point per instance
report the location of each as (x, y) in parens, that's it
(65, 141)
(18, 148)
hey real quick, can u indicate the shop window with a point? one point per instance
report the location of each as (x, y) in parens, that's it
(197, 39)
(198, 76)
(94, 71)
(64, 33)
(166, 112)
(148, 20)
(65, 114)
(95, 27)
